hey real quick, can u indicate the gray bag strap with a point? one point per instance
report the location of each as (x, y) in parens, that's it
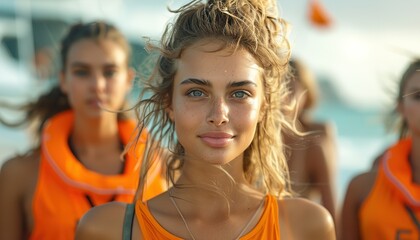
(128, 222)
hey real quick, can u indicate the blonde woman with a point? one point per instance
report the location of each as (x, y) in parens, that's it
(215, 103)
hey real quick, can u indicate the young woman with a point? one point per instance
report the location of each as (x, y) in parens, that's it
(384, 203)
(78, 163)
(311, 158)
(216, 104)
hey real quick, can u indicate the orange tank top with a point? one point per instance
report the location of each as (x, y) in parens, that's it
(66, 189)
(266, 228)
(392, 208)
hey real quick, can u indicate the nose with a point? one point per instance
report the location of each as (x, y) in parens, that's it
(98, 82)
(219, 112)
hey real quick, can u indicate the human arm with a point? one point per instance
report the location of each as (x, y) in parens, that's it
(357, 191)
(322, 166)
(17, 183)
(104, 222)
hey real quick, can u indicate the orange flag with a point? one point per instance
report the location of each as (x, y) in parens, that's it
(318, 15)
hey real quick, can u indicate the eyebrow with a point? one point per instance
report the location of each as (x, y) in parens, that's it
(203, 82)
(82, 64)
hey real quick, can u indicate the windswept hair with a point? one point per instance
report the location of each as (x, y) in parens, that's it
(54, 101)
(252, 25)
(395, 121)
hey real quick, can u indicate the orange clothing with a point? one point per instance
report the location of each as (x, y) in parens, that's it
(393, 206)
(66, 189)
(267, 227)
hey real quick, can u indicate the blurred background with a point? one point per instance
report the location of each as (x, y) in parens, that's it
(357, 50)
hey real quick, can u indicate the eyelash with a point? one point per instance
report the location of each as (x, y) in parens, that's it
(246, 94)
(191, 92)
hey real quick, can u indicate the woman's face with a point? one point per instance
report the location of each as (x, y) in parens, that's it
(96, 77)
(410, 105)
(216, 103)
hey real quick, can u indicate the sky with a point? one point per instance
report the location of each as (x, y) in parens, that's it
(363, 53)
(366, 49)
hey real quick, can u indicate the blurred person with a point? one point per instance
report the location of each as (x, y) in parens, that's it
(311, 157)
(384, 203)
(81, 158)
(217, 99)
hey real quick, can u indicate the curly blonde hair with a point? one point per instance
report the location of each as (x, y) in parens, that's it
(237, 24)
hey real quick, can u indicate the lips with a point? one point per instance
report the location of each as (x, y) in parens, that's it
(216, 139)
(96, 102)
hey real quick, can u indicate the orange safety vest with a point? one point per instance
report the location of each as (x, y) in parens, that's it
(267, 228)
(392, 208)
(66, 189)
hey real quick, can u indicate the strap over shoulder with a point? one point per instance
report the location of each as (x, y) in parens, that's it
(128, 222)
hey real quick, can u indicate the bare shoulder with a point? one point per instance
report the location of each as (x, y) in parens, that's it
(302, 219)
(359, 187)
(102, 222)
(22, 165)
(18, 178)
(23, 162)
(357, 192)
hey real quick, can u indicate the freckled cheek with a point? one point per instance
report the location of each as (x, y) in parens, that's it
(188, 114)
(245, 117)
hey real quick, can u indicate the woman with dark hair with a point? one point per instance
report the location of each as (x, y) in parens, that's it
(79, 160)
(384, 203)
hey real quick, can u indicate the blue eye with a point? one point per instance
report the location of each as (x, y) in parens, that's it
(195, 93)
(240, 94)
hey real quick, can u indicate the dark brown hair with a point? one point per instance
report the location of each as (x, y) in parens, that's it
(395, 121)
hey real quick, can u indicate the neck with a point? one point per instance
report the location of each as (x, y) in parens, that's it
(212, 184)
(92, 136)
(213, 204)
(94, 132)
(97, 145)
